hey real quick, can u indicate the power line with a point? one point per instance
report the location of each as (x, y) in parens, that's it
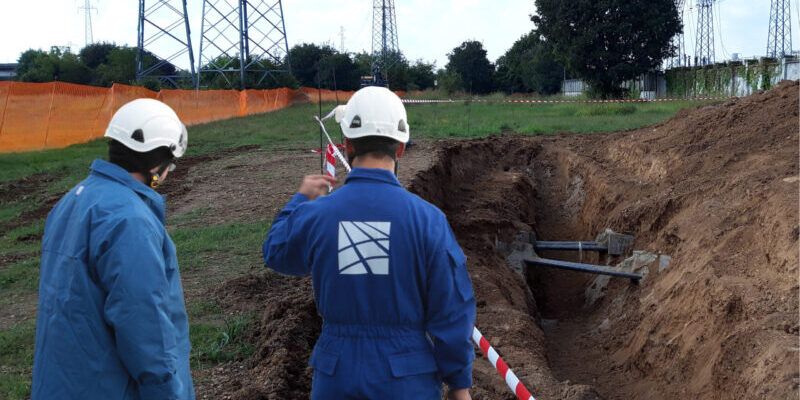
(719, 32)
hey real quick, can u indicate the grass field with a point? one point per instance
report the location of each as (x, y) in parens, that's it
(215, 336)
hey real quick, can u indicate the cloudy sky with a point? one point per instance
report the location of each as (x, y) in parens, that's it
(428, 29)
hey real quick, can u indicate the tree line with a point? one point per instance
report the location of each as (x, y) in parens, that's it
(603, 42)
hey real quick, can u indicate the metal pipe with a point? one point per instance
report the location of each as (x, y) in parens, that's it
(578, 267)
(572, 246)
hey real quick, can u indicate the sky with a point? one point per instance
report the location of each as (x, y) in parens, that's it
(427, 29)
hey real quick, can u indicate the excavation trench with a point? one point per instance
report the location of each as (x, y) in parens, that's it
(713, 191)
(492, 190)
(714, 187)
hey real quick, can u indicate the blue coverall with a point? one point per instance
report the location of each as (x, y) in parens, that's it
(390, 283)
(112, 321)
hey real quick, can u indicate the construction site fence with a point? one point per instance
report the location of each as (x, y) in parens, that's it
(38, 116)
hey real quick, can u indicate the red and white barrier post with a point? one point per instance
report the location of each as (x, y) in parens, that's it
(502, 368)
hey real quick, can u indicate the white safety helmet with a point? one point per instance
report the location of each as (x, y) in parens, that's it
(374, 111)
(147, 124)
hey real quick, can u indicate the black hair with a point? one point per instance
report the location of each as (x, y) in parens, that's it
(376, 146)
(133, 161)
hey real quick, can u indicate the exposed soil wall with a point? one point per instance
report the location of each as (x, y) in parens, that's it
(714, 187)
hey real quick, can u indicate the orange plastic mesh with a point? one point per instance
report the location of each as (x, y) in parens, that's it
(26, 116)
(73, 112)
(341, 96)
(5, 86)
(326, 95)
(184, 102)
(35, 116)
(214, 105)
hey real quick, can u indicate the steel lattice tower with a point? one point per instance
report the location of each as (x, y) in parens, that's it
(243, 36)
(678, 41)
(164, 25)
(384, 34)
(779, 41)
(87, 9)
(704, 46)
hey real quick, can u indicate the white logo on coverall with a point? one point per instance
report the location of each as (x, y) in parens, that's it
(364, 248)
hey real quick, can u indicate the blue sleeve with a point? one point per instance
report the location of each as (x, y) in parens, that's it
(282, 249)
(450, 314)
(132, 270)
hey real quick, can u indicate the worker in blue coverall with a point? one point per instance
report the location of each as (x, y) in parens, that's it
(112, 322)
(390, 280)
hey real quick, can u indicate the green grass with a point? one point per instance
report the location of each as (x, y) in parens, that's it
(217, 343)
(482, 119)
(215, 337)
(294, 127)
(235, 243)
(16, 360)
(24, 244)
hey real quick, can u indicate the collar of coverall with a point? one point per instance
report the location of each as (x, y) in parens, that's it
(372, 174)
(154, 200)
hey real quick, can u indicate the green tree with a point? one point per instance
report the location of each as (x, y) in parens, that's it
(96, 54)
(306, 60)
(255, 76)
(475, 71)
(607, 42)
(38, 66)
(338, 71)
(397, 74)
(422, 75)
(449, 81)
(26, 61)
(529, 66)
(363, 62)
(119, 66)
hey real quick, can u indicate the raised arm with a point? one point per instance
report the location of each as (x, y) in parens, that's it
(283, 250)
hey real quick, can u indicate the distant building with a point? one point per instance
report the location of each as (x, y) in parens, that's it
(7, 71)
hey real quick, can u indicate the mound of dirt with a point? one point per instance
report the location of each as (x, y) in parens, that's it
(714, 187)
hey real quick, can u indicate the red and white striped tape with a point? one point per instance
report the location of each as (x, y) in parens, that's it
(502, 368)
(330, 162)
(523, 101)
(427, 101)
(334, 149)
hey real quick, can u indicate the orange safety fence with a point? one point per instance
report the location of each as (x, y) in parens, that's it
(326, 95)
(37, 116)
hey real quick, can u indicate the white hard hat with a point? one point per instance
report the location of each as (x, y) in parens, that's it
(147, 124)
(374, 111)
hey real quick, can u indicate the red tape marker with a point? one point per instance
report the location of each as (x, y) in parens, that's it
(502, 368)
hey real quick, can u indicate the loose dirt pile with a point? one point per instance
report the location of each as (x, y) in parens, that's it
(715, 187)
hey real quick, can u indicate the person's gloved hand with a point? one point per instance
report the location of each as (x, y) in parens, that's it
(314, 186)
